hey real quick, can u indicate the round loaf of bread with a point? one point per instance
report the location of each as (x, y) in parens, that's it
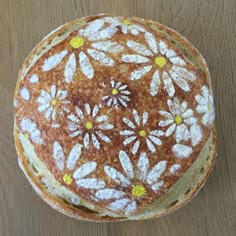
(114, 119)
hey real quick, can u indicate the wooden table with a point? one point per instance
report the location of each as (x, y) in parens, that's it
(210, 26)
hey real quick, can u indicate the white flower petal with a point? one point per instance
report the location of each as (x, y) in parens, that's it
(129, 140)
(170, 130)
(73, 118)
(182, 72)
(122, 102)
(139, 48)
(116, 176)
(196, 134)
(190, 121)
(74, 156)
(168, 84)
(201, 100)
(34, 79)
(163, 47)
(151, 147)
(139, 73)
(95, 142)
(62, 95)
(182, 151)
(101, 57)
(155, 83)
(91, 183)
(145, 117)
(103, 137)
(143, 165)
(174, 168)
(126, 132)
(188, 113)
(105, 126)
(87, 108)
(108, 46)
(156, 187)
(166, 114)
(136, 117)
(58, 155)
(106, 33)
(181, 133)
(129, 123)
(155, 140)
(24, 92)
(156, 172)
(54, 114)
(79, 113)
(109, 193)
(119, 204)
(177, 61)
(54, 60)
(157, 133)
(85, 170)
(70, 68)
(130, 208)
(86, 140)
(170, 53)
(93, 27)
(126, 164)
(53, 91)
(151, 41)
(202, 109)
(42, 108)
(102, 118)
(133, 58)
(164, 123)
(180, 81)
(86, 66)
(76, 133)
(135, 147)
(95, 110)
(48, 113)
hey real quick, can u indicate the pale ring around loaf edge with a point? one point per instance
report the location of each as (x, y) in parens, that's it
(178, 195)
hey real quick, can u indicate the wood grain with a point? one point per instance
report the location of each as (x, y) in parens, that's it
(210, 26)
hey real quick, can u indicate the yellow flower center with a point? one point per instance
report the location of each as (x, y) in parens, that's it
(178, 119)
(209, 107)
(126, 22)
(160, 61)
(115, 91)
(138, 190)
(67, 178)
(76, 42)
(89, 125)
(54, 102)
(142, 133)
(27, 135)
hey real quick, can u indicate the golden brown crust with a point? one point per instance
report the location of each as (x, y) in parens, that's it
(108, 151)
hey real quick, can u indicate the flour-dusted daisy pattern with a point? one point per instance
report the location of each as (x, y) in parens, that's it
(180, 121)
(31, 130)
(118, 95)
(166, 65)
(53, 103)
(92, 43)
(68, 164)
(136, 133)
(89, 123)
(118, 112)
(133, 182)
(126, 26)
(206, 106)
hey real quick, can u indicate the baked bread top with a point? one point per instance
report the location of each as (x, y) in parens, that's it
(116, 108)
